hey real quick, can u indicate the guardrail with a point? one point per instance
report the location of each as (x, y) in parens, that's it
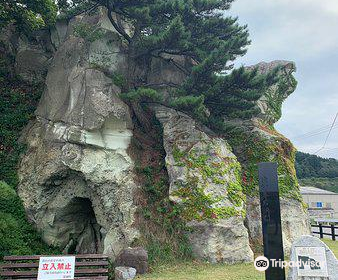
(332, 228)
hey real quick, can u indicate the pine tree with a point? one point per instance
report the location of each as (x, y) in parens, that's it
(199, 30)
(27, 14)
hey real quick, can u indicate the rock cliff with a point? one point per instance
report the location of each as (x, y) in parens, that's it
(78, 178)
(202, 168)
(258, 141)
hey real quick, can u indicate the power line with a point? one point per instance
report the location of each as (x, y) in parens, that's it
(314, 133)
(330, 149)
(328, 135)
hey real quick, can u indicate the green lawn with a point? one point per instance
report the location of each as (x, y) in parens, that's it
(199, 271)
(333, 246)
(202, 271)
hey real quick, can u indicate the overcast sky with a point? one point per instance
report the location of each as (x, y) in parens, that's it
(306, 32)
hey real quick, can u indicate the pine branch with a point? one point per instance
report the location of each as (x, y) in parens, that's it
(117, 25)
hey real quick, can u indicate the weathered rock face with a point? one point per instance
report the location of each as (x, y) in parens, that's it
(258, 142)
(134, 257)
(294, 221)
(76, 179)
(271, 102)
(204, 179)
(32, 55)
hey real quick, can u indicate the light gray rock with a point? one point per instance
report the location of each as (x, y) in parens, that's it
(59, 32)
(295, 221)
(257, 142)
(134, 257)
(76, 93)
(32, 56)
(31, 64)
(125, 273)
(310, 241)
(270, 104)
(76, 178)
(62, 183)
(224, 240)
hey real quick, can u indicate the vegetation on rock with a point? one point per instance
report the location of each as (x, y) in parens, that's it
(255, 148)
(17, 104)
(201, 171)
(28, 14)
(17, 236)
(163, 230)
(199, 31)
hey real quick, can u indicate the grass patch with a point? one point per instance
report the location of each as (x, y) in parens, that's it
(333, 245)
(203, 271)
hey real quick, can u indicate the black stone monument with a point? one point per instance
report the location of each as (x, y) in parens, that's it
(271, 219)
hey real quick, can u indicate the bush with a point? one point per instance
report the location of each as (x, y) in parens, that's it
(17, 104)
(17, 236)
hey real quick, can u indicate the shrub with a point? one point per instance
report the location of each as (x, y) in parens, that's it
(17, 104)
(17, 236)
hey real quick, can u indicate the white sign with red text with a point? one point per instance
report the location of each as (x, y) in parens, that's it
(55, 268)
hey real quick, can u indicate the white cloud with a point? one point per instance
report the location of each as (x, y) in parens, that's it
(302, 27)
(304, 31)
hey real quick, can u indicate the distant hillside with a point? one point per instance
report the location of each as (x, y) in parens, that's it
(312, 166)
(329, 184)
(317, 172)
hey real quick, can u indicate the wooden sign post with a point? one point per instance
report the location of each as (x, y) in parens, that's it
(271, 219)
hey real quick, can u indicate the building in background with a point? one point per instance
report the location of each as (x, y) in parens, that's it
(321, 203)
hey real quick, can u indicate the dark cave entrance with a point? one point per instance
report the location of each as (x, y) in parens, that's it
(79, 227)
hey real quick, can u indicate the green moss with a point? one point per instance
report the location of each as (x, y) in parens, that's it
(195, 203)
(276, 95)
(88, 32)
(178, 155)
(255, 148)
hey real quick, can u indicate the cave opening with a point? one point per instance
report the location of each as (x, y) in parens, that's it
(79, 227)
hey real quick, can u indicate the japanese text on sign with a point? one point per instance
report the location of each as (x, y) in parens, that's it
(54, 268)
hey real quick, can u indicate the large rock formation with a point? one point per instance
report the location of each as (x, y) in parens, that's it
(77, 178)
(257, 141)
(204, 179)
(31, 55)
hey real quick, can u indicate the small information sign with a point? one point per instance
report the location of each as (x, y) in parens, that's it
(311, 261)
(55, 268)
